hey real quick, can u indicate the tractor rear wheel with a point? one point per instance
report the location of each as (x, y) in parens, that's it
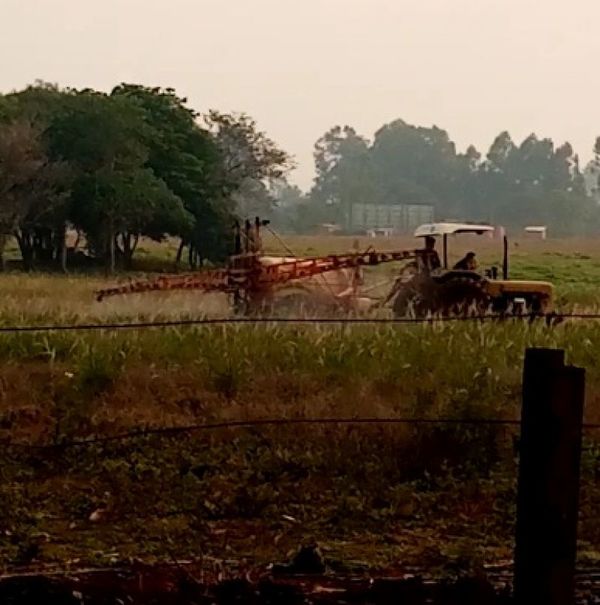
(456, 296)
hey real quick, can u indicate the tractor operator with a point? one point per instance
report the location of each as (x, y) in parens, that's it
(467, 263)
(429, 256)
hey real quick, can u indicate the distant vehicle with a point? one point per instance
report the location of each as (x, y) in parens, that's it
(381, 232)
(329, 229)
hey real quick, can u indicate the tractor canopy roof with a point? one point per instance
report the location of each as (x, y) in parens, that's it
(434, 229)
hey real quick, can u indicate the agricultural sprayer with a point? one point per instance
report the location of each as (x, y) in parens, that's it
(285, 285)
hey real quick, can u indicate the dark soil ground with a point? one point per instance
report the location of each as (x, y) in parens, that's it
(178, 584)
(189, 584)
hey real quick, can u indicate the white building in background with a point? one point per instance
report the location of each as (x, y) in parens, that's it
(388, 218)
(537, 231)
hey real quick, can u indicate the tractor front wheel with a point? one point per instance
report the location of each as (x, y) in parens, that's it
(462, 296)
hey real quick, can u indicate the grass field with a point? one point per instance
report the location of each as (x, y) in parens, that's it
(372, 496)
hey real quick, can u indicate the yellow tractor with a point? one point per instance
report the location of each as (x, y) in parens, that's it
(429, 286)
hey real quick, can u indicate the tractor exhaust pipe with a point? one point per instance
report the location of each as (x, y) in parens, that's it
(237, 239)
(257, 240)
(247, 237)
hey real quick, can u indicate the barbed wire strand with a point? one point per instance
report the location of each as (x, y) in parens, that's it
(263, 422)
(277, 422)
(291, 320)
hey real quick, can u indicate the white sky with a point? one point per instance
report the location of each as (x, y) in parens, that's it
(473, 67)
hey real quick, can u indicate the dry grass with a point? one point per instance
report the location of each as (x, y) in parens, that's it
(46, 299)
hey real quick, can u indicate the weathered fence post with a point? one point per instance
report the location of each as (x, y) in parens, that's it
(548, 490)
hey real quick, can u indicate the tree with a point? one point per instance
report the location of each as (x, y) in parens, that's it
(183, 155)
(249, 163)
(536, 182)
(217, 170)
(116, 198)
(293, 212)
(418, 165)
(141, 164)
(246, 152)
(345, 173)
(31, 186)
(7, 109)
(41, 237)
(409, 164)
(115, 207)
(592, 173)
(472, 158)
(253, 198)
(416, 151)
(99, 137)
(500, 152)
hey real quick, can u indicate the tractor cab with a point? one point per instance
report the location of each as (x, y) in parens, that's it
(443, 230)
(432, 285)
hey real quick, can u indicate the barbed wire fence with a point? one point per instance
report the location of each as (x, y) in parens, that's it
(62, 444)
(549, 318)
(264, 422)
(174, 431)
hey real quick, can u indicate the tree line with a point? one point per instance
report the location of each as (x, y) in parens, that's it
(137, 162)
(514, 184)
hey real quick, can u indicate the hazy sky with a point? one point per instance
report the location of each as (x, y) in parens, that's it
(473, 67)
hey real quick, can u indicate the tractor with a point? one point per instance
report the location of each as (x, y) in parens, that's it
(421, 290)
(258, 284)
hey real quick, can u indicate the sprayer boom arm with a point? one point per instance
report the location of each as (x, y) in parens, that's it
(249, 273)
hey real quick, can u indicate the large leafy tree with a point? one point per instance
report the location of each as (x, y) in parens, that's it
(116, 196)
(32, 187)
(416, 164)
(185, 156)
(345, 172)
(98, 137)
(41, 233)
(141, 163)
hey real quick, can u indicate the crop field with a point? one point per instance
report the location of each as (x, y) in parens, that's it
(379, 496)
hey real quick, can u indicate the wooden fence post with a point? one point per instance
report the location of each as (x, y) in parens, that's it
(548, 488)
